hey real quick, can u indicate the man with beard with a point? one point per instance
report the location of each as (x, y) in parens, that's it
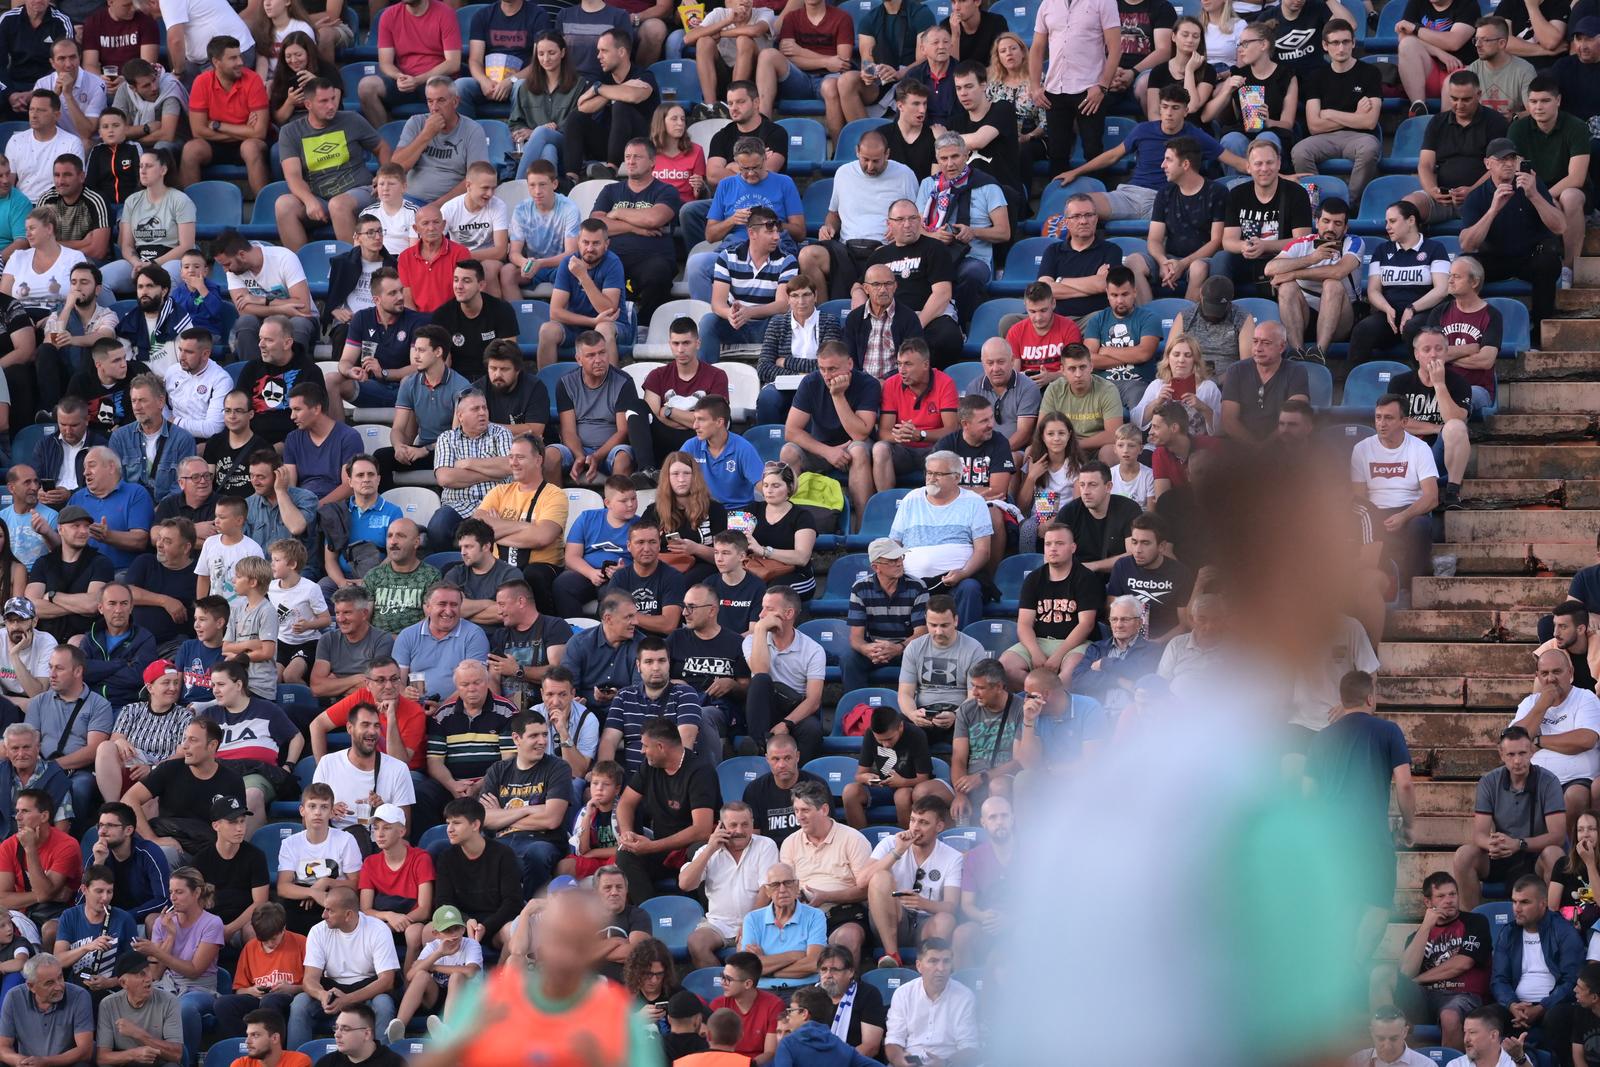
(984, 874)
(517, 400)
(152, 328)
(196, 386)
(362, 777)
(269, 378)
(376, 355)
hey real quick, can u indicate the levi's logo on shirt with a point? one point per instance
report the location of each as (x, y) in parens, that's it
(1388, 470)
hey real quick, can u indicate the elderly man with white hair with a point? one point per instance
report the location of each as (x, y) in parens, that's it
(947, 534)
(1015, 397)
(121, 513)
(49, 1020)
(466, 737)
(1188, 657)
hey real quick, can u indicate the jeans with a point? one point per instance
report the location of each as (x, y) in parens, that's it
(442, 529)
(692, 218)
(971, 288)
(429, 809)
(1238, 142)
(307, 1019)
(855, 670)
(229, 1011)
(716, 331)
(195, 1010)
(471, 94)
(772, 405)
(767, 702)
(544, 144)
(697, 272)
(537, 859)
(83, 794)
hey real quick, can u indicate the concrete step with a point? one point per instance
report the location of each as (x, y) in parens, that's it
(1442, 831)
(1453, 624)
(1577, 301)
(1492, 594)
(1536, 366)
(1569, 335)
(1525, 398)
(1574, 527)
(1535, 461)
(1394, 938)
(1498, 494)
(1462, 764)
(1446, 691)
(1412, 867)
(1427, 729)
(1516, 558)
(1537, 429)
(1440, 799)
(1472, 660)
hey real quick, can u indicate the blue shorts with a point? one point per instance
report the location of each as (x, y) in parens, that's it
(568, 459)
(371, 394)
(880, 796)
(569, 334)
(802, 84)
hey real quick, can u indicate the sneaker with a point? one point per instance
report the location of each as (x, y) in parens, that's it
(600, 172)
(394, 1031)
(1452, 497)
(888, 962)
(646, 479)
(1418, 107)
(1566, 278)
(1312, 354)
(435, 1026)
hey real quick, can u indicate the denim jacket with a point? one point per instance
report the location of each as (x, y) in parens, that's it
(176, 445)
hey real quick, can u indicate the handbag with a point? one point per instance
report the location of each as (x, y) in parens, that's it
(767, 569)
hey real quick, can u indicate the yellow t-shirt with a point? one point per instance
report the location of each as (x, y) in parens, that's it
(512, 501)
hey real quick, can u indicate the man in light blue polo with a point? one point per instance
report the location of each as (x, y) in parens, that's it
(434, 646)
(731, 465)
(786, 935)
(121, 512)
(368, 518)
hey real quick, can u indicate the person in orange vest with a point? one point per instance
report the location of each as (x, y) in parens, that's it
(263, 1043)
(722, 1032)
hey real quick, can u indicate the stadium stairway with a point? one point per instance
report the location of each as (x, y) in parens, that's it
(1456, 664)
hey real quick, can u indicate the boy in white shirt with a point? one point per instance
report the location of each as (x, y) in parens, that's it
(1129, 477)
(446, 965)
(480, 221)
(315, 861)
(399, 218)
(223, 549)
(302, 610)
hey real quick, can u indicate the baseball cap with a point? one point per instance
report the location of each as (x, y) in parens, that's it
(561, 883)
(158, 669)
(21, 607)
(228, 808)
(884, 548)
(1215, 294)
(447, 917)
(1502, 148)
(389, 813)
(73, 513)
(685, 1005)
(1588, 26)
(130, 963)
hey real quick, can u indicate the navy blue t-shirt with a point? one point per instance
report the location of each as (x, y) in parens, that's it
(1352, 762)
(146, 572)
(1061, 260)
(863, 394)
(511, 35)
(1146, 145)
(1586, 587)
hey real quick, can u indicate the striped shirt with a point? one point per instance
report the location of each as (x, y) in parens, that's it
(471, 744)
(748, 282)
(154, 737)
(632, 708)
(454, 446)
(888, 617)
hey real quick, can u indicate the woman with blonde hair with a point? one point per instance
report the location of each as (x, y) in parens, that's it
(1223, 28)
(39, 276)
(1183, 377)
(688, 517)
(185, 941)
(1008, 82)
(680, 162)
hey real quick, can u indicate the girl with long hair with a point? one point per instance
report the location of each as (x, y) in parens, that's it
(298, 63)
(1188, 67)
(1222, 29)
(1258, 99)
(649, 975)
(680, 162)
(285, 17)
(688, 516)
(1054, 458)
(1184, 378)
(545, 98)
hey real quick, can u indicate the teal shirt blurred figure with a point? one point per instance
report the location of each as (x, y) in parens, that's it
(14, 208)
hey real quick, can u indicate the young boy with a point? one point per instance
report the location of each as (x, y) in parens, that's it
(253, 626)
(112, 169)
(446, 965)
(316, 860)
(737, 590)
(597, 543)
(201, 297)
(398, 218)
(594, 842)
(1042, 335)
(224, 549)
(392, 877)
(1129, 477)
(479, 221)
(302, 610)
(198, 654)
(270, 968)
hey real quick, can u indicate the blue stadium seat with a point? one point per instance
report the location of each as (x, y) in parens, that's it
(963, 838)
(941, 769)
(1008, 579)
(298, 701)
(1053, 201)
(671, 920)
(1021, 266)
(840, 308)
(875, 522)
(317, 1047)
(874, 834)
(1515, 337)
(234, 370)
(844, 149)
(1167, 309)
(1116, 128)
(1498, 912)
(501, 146)
(837, 740)
(217, 205)
(857, 10)
(290, 809)
(768, 439)
(226, 1051)
(965, 375)
(704, 983)
(1327, 185)
(1376, 198)
(808, 145)
(315, 257)
(736, 773)
(1019, 16)
(1403, 154)
(986, 322)
(1384, 38)
(885, 980)
(434, 840)
(409, 1047)
(352, 73)
(837, 771)
(390, 131)
(532, 314)
(1320, 379)
(270, 837)
(814, 202)
(1365, 384)
(263, 224)
(834, 637)
(1260, 307)
(834, 600)
(996, 635)
(1346, 435)
(553, 374)
(464, 16)
(440, 560)
(25, 440)
(971, 977)
(1439, 1054)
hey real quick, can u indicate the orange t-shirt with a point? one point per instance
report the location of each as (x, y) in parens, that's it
(596, 1029)
(286, 964)
(413, 724)
(289, 1058)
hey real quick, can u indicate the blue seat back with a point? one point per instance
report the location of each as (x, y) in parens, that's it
(1327, 185)
(814, 202)
(553, 374)
(1368, 381)
(880, 511)
(965, 375)
(318, 1047)
(25, 440)
(1013, 569)
(672, 918)
(532, 314)
(1262, 309)
(843, 572)
(1053, 201)
(1381, 192)
(844, 149)
(704, 983)
(678, 80)
(733, 775)
(225, 1052)
(986, 319)
(315, 259)
(1023, 259)
(768, 439)
(262, 213)
(874, 834)
(219, 204)
(1167, 309)
(872, 697)
(808, 141)
(832, 634)
(886, 980)
(271, 837)
(1515, 336)
(837, 771)
(996, 635)
(1320, 379)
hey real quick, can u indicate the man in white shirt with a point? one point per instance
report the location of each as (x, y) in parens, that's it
(363, 778)
(731, 867)
(1397, 474)
(1389, 1031)
(82, 92)
(855, 223)
(914, 882)
(1485, 1042)
(197, 387)
(947, 534)
(1564, 722)
(350, 959)
(932, 1018)
(33, 151)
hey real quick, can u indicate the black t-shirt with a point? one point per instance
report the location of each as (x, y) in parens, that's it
(268, 388)
(697, 662)
(978, 47)
(1459, 150)
(1580, 86)
(665, 586)
(918, 154)
(469, 336)
(773, 807)
(738, 605)
(1161, 590)
(1428, 17)
(1586, 1032)
(1140, 21)
(919, 266)
(676, 1046)
(1100, 538)
(1188, 219)
(701, 533)
(527, 401)
(180, 795)
(1516, 229)
(1422, 403)
(632, 247)
(108, 404)
(670, 800)
(1000, 158)
(1061, 260)
(176, 507)
(867, 1008)
(1340, 91)
(59, 576)
(979, 462)
(1270, 91)
(1276, 220)
(232, 464)
(781, 535)
(383, 1056)
(1162, 76)
(148, 574)
(1297, 42)
(530, 648)
(906, 758)
(1056, 605)
(234, 880)
(775, 137)
(549, 779)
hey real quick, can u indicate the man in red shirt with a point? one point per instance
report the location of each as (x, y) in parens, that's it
(919, 407)
(40, 867)
(404, 722)
(228, 117)
(757, 1009)
(1038, 340)
(417, 40)
(815, 42)
(428, 268)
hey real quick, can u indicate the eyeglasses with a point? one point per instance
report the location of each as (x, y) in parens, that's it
(790, 1011)
(1080, 216)
(350, 1029)
(659, 972)
(786, 883)
(236, 411)
(697, 607)
(205, 476)
(905, 218)
(878, 285)
(730, 979)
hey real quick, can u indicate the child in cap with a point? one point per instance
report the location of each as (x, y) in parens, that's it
(446, 965)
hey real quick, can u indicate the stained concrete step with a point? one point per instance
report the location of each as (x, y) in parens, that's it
(1573, 527)
(1516, 557)
(1443, 799)
(1577, 301)
(1492, 594)
(1537, 365)
(1569, 335)
(1435, 691)
(1461, 764)
(1536, 429)
(1454, 624)
(1427, 729)
(1470, 659)
(1536, 461)
(1532, 398)
(1441, 831)
(1412, 867)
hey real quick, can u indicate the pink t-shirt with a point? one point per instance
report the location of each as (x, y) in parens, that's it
(420, 43)
(1076, 32)
(675, 170)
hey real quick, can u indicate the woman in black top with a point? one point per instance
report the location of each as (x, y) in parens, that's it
(1187, 67)
(785, 535)
(688, 517)
(649, 975)
(1259, 98)
(298, 63)
(1576, 875)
